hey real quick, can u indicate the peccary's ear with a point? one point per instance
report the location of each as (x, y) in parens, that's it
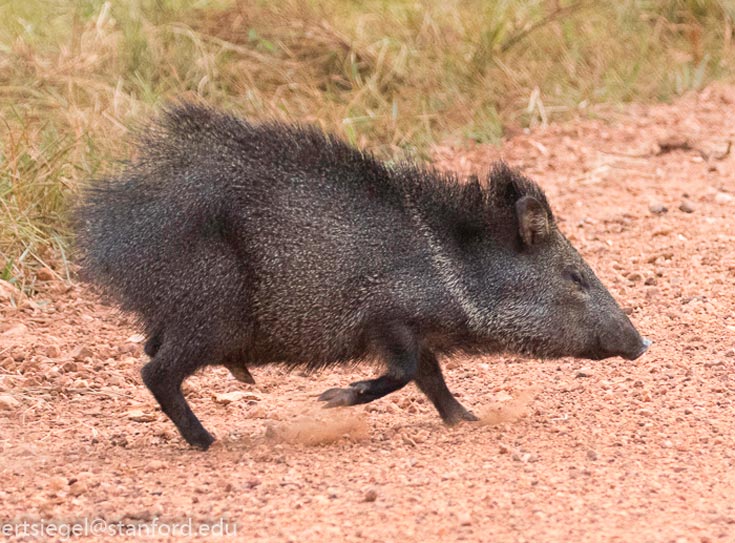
(533, 220)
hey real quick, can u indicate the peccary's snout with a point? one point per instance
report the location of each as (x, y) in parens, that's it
(620, 338)
(642, 348)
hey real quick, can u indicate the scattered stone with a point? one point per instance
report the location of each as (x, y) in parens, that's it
(77, 488)
(408, 441)
(464, 518)
(129, 348)
(634, 276)
(136, 338)
(80, 353)
(524, 457)
(119, 440)
(584, 372)
(504, 449)
(57, 483)
(154, 465)
(226, 398)
(686, 206)
(7, 402)
(652, 292)
(371, 495)
(592, 455)
(45, 274)
(724, 198)
(9, 293)
(138, 415)
(650, 281)
(645, 412)
(673, 142)
(658, 209)
(15, 331)
(53, 351)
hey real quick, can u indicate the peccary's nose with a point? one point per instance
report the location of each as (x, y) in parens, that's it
(622, 339)
(645, 344)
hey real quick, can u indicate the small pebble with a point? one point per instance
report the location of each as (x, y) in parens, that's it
(82, 353)
(78, 488)
(7, 402)
(658, 209)
(584, 372)
(53, 351)
(138, 415)
(57, 483)
(371, 495)
(723, 198)
(15, 331)
(154, 465)
(45, 274)
(686, 206)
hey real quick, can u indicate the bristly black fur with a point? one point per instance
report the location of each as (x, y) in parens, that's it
(247, 244)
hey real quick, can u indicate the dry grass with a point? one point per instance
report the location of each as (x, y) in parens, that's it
(395, 77)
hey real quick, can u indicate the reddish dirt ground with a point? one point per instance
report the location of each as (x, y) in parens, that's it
(570, 450)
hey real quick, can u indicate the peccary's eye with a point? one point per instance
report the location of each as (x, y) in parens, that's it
(576, 277)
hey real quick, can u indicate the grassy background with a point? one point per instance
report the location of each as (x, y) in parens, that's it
(393, 76)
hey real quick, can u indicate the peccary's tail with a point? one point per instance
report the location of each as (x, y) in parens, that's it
(119, 239)
(154, 237)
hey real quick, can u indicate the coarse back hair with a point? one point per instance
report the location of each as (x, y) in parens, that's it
(186, 133)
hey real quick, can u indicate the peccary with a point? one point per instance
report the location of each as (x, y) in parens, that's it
(247, 244)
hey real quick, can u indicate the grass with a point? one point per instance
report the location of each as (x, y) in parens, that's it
(393, 76)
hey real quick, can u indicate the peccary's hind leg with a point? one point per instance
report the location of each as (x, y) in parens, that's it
(163, 376)
(401, 353)
(153, 344)
(237, 367)
(430, 380)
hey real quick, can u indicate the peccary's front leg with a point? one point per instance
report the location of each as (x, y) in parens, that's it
(400, 348)
(430, 380)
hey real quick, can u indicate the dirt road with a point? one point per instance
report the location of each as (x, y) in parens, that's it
(569, 451)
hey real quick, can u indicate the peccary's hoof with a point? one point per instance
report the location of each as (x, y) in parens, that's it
(458, 416)
(338, 397)
(241, 373)
(469, 416)
(201, 441)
